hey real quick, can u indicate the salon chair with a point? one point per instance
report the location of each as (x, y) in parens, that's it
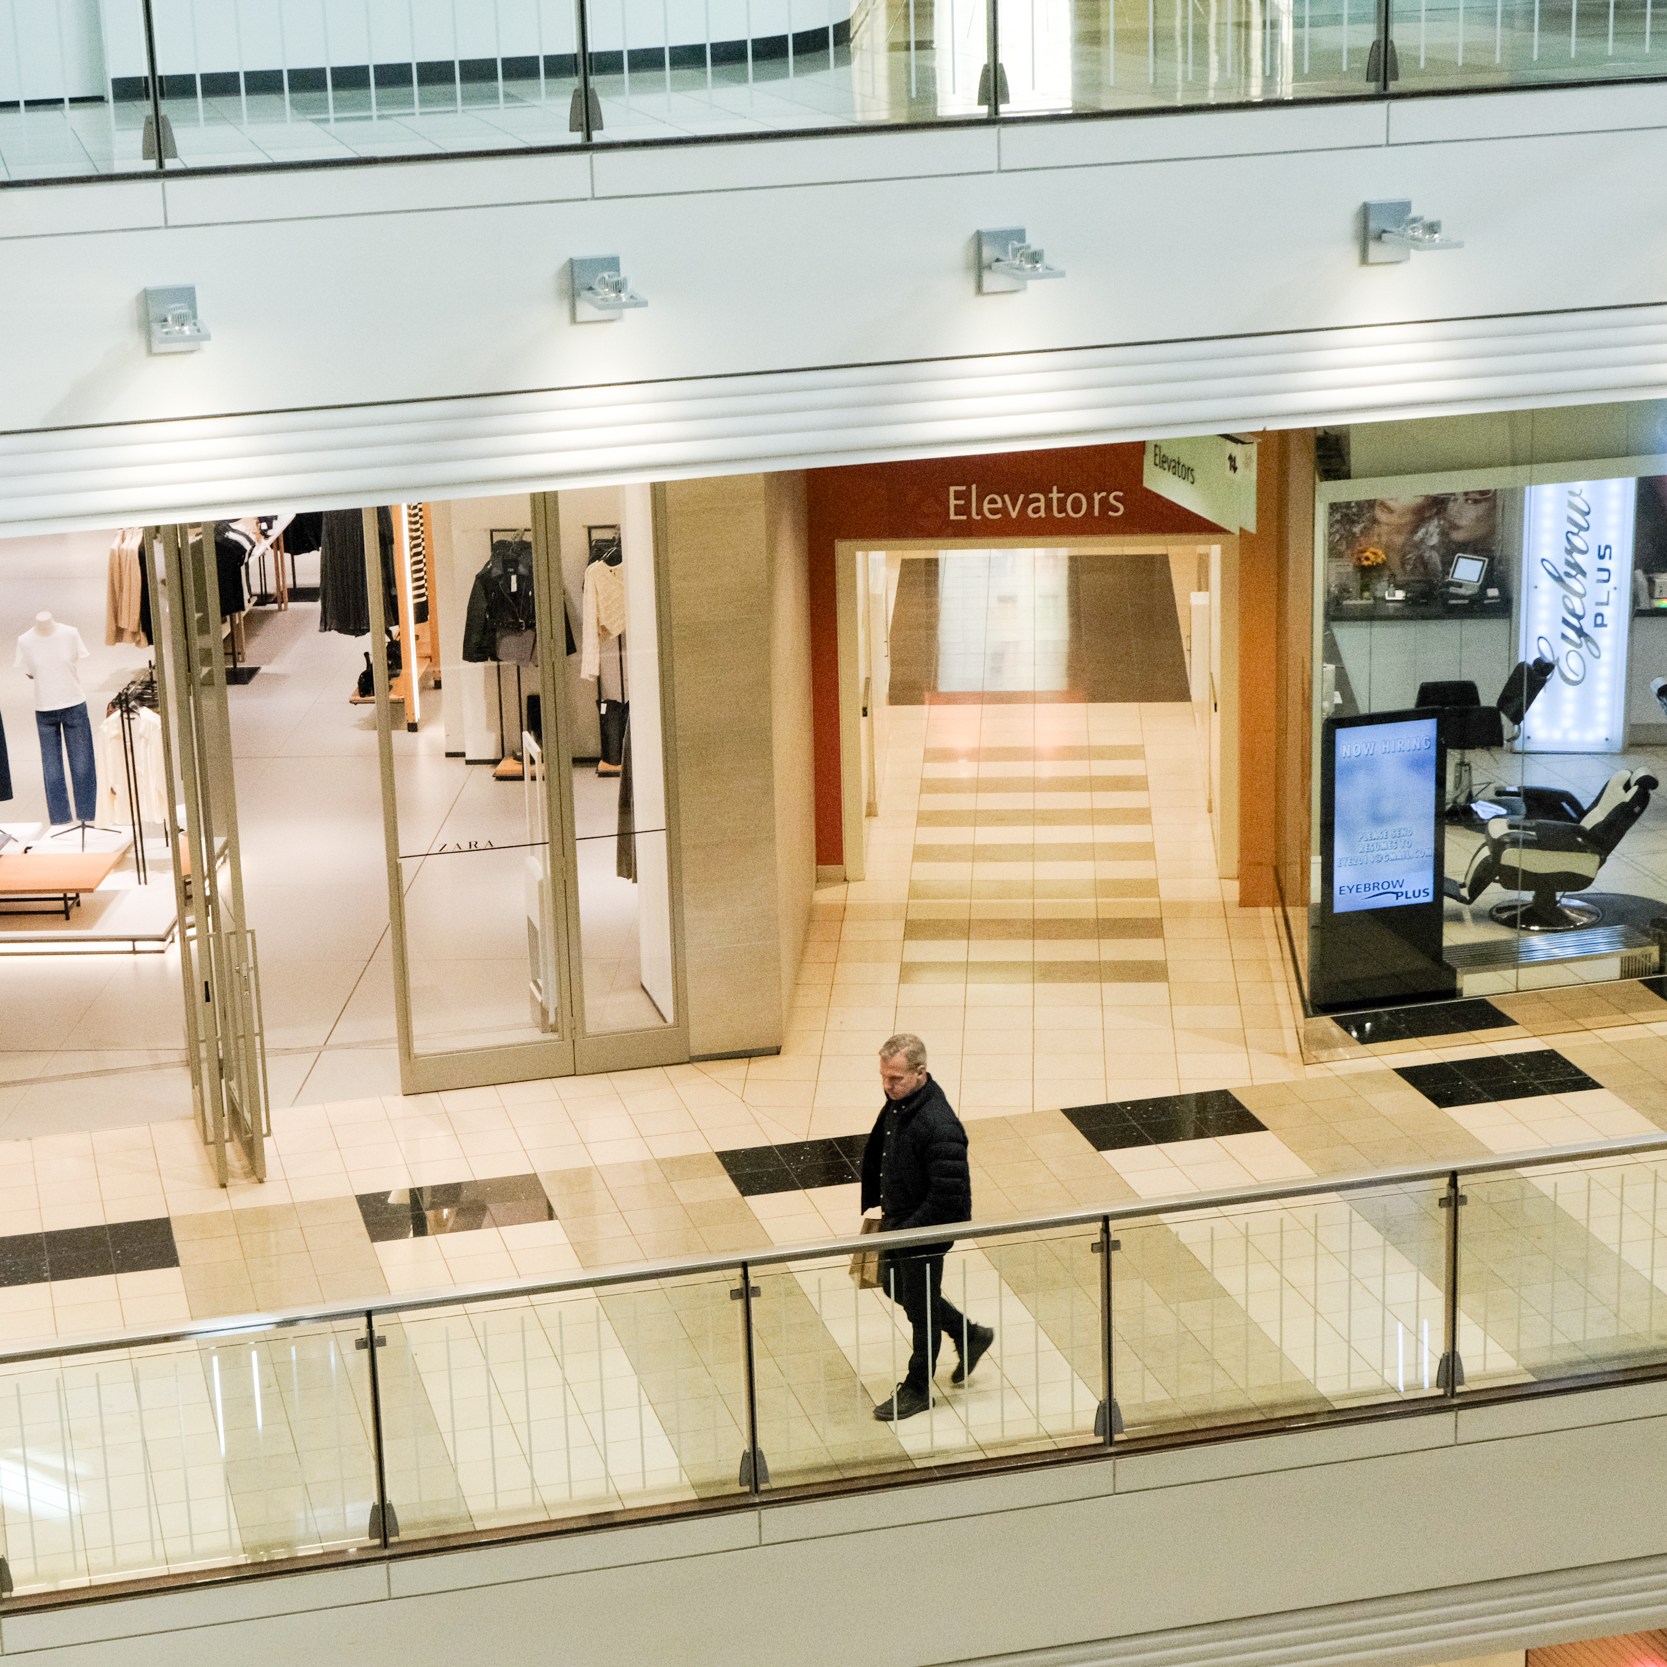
(1556, 846)
(1464, 722)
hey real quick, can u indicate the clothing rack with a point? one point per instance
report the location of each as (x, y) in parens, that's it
(137, 694)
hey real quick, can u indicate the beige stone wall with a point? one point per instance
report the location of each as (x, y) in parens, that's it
(735, 565)
(794, 743)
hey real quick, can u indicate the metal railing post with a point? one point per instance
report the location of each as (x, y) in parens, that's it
(755, 1468)
(991, 88)
(159, 132)
(1108, 1418)
(1449, 1372)
(384, 1519)
(585, 94)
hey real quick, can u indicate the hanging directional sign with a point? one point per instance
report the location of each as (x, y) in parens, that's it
(1209, 474)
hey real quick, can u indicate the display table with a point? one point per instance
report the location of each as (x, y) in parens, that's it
(57, 869)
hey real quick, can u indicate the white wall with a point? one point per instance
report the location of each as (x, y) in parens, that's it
(838, 271)
(1422, 1539)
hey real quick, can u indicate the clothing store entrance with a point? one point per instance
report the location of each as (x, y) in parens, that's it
(319, 816)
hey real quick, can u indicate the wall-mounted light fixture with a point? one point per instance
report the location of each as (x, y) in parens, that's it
(1390, 232)
(1006, 263)
(172, 321)
(600, 290)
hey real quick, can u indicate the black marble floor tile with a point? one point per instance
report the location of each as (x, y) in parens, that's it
(454, 1207)
(1511, 1076)
(87, 1252)
(1155, 1122)
(23, 1259)
(1436, 1018)
(142, 1246)
(794, 1166)
(78, 1253)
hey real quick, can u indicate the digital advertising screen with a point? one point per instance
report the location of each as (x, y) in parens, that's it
(1383, 852)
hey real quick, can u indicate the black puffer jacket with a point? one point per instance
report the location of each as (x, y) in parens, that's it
(915, 1165)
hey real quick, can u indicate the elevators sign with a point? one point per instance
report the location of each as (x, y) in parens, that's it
(1577, 611)
(1210, 474)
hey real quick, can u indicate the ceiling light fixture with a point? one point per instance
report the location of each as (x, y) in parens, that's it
(1007, 264)
(600, 290)
(1390, 232)
(172, 321)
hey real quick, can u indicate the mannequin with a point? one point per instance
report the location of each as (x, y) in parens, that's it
(50, 654)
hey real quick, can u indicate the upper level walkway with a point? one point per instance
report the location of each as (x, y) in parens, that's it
(92, 88)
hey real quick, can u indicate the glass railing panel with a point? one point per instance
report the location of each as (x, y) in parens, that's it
(674, 70)
(252, 81)
(1457, 45)
(828, 1352)
(1275, 1310)
(564, 1405)
(1158, 54)
(74, 89)
(1564, 1269)
(189, 1456)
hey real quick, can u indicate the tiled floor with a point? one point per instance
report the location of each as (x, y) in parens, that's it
(1080, 1089)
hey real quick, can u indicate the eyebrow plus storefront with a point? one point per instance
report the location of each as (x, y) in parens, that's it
(1490, 733)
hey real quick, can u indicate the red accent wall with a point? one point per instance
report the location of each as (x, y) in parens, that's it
(1050, 496)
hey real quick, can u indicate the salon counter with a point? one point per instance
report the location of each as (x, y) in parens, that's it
(1646, 661)
(1387, 654)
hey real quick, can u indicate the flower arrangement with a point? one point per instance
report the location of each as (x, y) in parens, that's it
(1367, 558)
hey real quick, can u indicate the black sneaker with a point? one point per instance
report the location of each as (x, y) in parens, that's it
(903, 1402)
(979, 1339)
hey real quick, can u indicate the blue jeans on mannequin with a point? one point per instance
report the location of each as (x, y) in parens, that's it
(68, 729)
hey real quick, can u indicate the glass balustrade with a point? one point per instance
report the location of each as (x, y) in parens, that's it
(89, 90)
(317, 1437)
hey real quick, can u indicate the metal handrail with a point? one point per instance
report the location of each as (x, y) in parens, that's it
(1380, 84)
(1271, 1192)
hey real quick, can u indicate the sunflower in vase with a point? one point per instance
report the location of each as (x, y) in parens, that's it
(1367, 559)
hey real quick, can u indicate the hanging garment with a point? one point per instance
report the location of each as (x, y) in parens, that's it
(231, 550)
(343, 600)
(625, 846)
(416, 544)
(5, 766)
(125, 591)
(502, 621)
(305, 533)
(146, 633)
(68, 730)
(604, 614)
(612, 718)
(146, 730)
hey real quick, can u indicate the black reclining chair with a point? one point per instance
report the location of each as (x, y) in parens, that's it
(1558, 845)
(1464, 722)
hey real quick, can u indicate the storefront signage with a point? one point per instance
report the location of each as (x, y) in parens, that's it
(1383, 851)
(1576, 611)
(1209, 474)
(973, 503)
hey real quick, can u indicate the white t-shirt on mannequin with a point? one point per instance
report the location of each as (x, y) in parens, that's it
(52, 658)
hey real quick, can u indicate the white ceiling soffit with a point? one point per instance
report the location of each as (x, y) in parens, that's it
(1449, 1624)
(184, 468)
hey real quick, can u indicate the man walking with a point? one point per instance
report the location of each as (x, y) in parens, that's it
(915, 1168)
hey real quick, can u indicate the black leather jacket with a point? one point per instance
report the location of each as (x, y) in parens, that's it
(501, 602)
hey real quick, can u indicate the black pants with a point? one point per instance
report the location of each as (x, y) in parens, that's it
(915, 1284)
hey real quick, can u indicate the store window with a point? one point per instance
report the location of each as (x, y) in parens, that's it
(421, 748)
(1491, 737)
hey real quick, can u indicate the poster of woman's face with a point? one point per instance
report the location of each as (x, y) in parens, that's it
(1411, 541)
